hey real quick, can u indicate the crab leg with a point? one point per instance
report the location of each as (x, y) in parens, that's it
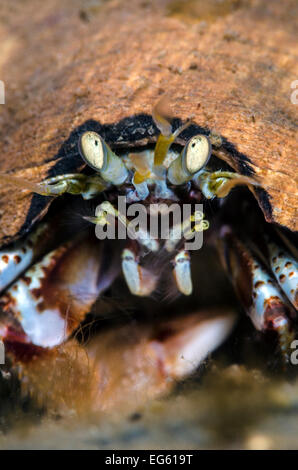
(257, 290)
(50, 300)
(220, 183)
(285, 269)
(182, 273)
(18, 256)
(74, 183)
(186, 229)
(106, 210)
(139, 280)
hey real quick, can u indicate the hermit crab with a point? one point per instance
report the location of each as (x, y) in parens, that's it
(51, 278)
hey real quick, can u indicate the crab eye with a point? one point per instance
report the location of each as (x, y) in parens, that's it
(93, 150)
(193, 158)
(196, 153)
(98, 155)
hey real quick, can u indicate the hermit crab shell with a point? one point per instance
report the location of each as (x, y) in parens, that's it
(95, 68)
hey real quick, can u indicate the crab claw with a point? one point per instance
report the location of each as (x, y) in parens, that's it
(51, 299)
(139, 362)
(122, 368)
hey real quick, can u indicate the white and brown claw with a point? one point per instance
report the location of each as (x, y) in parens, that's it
(48, 302)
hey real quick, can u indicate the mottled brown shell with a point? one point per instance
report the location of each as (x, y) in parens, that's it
(229, 64)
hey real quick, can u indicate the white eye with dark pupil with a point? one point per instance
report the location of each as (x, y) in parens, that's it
(197, 153)
(92, 150)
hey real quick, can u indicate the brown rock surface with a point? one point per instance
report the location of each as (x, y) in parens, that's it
(229, 63)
